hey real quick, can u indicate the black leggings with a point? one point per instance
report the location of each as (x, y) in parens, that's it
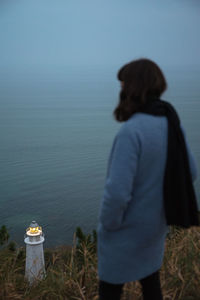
(151, 289)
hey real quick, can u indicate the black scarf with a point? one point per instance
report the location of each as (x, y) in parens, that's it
(179, 196)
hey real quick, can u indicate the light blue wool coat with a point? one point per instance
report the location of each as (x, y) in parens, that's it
(132, 226)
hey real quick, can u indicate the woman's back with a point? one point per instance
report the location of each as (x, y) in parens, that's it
(147, 201)
(137, 233)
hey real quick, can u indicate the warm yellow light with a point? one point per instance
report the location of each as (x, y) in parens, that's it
(34, 229)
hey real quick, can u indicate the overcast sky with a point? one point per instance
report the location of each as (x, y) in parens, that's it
(93, 32)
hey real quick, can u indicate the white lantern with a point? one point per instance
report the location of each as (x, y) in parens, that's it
(34, 239)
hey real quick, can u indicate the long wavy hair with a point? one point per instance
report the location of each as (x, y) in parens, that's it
(142, 80)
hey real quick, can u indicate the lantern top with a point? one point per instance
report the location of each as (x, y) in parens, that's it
(34, 224)
(34, 229)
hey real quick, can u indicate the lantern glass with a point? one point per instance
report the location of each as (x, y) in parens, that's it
(34, 229)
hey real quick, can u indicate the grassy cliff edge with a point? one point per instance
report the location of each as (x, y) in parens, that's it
(72, 270)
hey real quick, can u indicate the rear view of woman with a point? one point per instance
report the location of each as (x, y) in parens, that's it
(132, 222)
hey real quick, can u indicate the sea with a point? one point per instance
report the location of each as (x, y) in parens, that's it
(56, 131)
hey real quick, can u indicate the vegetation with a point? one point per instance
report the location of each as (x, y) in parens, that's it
(72, 271)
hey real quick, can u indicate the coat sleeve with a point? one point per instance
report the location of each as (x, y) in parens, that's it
(192, 162)
(119, 183)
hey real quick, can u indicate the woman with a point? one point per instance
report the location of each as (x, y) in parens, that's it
(132, 223)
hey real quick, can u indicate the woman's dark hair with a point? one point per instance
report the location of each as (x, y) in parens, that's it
(142, 81)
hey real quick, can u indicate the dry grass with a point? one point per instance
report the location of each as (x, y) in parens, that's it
(72, 272)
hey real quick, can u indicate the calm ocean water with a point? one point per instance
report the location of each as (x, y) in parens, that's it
(56, 132)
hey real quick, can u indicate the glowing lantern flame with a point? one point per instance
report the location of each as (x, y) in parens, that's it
(34, 229)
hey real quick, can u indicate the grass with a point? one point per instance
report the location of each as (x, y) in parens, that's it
(72, 271)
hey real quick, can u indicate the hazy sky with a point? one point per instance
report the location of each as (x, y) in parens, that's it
(93, 32)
